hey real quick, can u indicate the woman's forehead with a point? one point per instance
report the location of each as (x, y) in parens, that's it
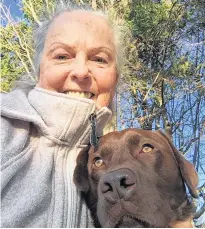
(79, 25)
(81, 16)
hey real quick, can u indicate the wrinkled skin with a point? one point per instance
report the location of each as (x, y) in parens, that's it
(79, 56)
(136, 178)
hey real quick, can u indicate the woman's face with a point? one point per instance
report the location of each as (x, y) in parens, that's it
(79, 57)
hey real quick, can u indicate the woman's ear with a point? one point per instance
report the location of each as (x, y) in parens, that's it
(187, 169)
(80, 177)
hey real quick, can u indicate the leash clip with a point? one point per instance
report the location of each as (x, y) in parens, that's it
(93, 135)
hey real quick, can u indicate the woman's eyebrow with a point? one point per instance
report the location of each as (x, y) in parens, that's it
(101, 48)
(71, 48)
(55, 45)
(58, 43)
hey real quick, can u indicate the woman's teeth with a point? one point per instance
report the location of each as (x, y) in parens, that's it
(86, 95)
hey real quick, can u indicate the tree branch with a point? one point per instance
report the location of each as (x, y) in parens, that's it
(31, 8)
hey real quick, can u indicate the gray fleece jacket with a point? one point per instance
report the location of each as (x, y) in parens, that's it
(42, 132)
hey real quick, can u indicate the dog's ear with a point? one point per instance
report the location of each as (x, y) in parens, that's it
(188, 172)
(80, 177)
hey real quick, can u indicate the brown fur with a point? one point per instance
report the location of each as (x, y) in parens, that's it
(133, 188)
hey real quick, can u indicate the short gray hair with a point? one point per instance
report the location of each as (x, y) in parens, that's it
(40, 31)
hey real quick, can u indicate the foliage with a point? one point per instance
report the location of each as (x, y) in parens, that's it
(164, 85)
(16, 49)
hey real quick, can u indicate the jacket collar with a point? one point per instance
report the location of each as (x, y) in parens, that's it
(60, 117)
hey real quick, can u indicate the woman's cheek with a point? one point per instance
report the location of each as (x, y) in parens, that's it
(107, 82)
(104, 99)
(50, 78)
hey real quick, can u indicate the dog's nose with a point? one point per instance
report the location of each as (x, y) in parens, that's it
(118, 184)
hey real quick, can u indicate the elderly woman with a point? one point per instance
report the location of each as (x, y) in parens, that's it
(45, 128)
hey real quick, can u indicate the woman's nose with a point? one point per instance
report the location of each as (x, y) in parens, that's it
(79, 69)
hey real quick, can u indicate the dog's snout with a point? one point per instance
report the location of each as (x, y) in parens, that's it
(118, 184)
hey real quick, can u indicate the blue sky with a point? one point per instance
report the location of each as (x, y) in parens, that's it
(14, 7)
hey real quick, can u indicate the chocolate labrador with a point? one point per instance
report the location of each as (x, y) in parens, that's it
(136, 178)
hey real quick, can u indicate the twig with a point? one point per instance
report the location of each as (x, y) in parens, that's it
(151, 86)
(31, 8)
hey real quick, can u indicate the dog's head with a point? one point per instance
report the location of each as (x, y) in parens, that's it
(136, 178)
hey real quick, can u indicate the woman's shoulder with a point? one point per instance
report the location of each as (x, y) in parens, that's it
(15, 117)
(15, 104)
(14, 134)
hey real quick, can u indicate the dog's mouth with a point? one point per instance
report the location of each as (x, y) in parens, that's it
(131, 222)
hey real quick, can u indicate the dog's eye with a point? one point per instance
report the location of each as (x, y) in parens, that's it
(98, 162)
(147, 148)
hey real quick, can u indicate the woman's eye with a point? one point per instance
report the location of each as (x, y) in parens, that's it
(62, 57)
(98, 162)
(100, 60)
(147, 148)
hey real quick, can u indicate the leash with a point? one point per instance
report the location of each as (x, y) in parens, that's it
(93, 136)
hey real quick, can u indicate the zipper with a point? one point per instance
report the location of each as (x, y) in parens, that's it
(93, 135)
